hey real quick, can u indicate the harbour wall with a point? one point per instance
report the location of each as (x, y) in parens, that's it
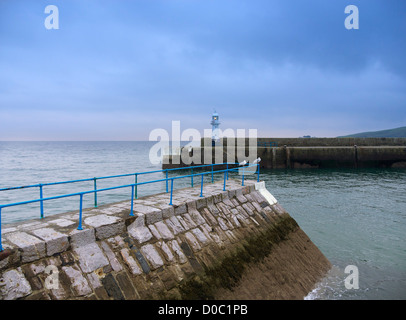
(292, 153)
(333, 142)
(234, 244)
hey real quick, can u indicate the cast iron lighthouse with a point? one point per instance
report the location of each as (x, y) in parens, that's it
(215, 134)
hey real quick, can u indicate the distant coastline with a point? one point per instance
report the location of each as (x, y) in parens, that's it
(389, 133)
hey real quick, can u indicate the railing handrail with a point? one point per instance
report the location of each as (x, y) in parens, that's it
(109, 177)
(132, 185)
(112, 188)
(266, 143)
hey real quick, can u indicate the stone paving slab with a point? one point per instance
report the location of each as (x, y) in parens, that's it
(155, 237)
(91, 257)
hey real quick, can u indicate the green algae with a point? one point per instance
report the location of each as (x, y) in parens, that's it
(227, 273)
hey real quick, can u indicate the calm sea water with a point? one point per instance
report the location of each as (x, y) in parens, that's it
(355, 217)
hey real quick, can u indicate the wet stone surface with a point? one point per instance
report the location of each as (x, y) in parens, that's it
(117, 256)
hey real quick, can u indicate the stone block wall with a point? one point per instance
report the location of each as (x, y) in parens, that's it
(196, 249)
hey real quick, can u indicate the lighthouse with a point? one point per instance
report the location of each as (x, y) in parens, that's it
(215, 134)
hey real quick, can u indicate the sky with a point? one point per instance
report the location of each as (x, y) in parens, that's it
(117, 69)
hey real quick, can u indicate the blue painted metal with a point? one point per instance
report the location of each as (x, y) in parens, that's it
(133, 187)
(258, 173)
(136, 189)
(1, 247)
(89, 179)
(132, 200)
(201, 187)
(170, 202)
(242, 183)
(42, 202)
(80, 212)
(266, 144)
(166, 181)
(95, 192)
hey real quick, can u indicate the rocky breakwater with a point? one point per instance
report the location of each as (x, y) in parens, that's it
(234, 244)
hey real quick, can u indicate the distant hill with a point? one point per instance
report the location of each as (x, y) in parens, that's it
(390, 133)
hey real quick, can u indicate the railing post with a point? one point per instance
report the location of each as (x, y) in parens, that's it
(201, 188)
(227, 171)
(258, 173)
(224, 185)
(212, 178)
(41, 202)
(192, 177)
(242, 176)
(1, 247)
(170, 203)
(166, 181)
(136, 186)
(80, 212)
(132, 201)
(95, 192)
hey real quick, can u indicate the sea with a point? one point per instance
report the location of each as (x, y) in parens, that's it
(356, 217)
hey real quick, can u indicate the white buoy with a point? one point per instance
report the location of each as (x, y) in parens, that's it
(243, 163)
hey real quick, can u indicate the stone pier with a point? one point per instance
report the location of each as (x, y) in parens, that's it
(234, 244)
(302, 153)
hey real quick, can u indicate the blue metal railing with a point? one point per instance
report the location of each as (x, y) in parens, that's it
(133, 186)
(268, 144)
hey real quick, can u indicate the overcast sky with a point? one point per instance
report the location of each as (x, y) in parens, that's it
(116, 70)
